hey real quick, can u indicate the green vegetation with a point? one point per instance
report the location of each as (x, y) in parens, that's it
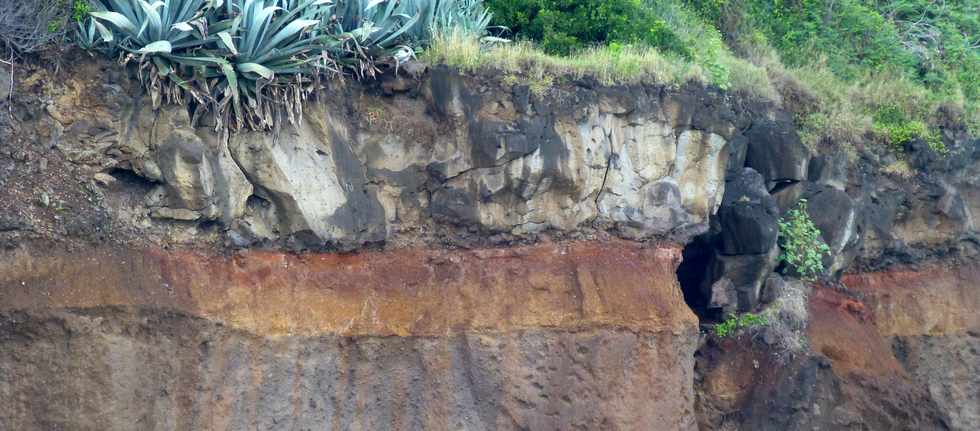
(565, 26)
(923, 53)
(899, 130)
(839, 65)
(623, 64)
(852, 72)
(80, 10)
(730, 326)
(799, 240)
(250, 63)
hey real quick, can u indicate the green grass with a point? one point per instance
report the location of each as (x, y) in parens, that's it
(730, 326)
(524, 62)
(838, 96)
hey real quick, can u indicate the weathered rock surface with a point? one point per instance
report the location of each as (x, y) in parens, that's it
(551, 337)
(748, 216)
(124, 369)
(841, 228)
(851, 380)
(450, 157)
(930, 317)
(734, 283)
(405, 292)
(776, 152)
(148, 312)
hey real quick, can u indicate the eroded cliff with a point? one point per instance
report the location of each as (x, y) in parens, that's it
(443, 251)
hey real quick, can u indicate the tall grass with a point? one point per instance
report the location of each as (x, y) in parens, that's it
(610, 65)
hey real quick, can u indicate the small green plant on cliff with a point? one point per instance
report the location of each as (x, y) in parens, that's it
(899, 130)
(799, 239)
(730, 326)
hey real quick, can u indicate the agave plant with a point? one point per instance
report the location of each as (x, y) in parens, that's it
(436, 16)
(88, 35)
(274, 47)
(247, 62)
(466, 16)
(154, 28)
(374, 30)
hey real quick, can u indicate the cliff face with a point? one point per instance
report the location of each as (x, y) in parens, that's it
(449, 159)
(571, 336)
(451, 252)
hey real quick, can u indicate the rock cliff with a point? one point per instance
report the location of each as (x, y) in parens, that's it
(455, 252)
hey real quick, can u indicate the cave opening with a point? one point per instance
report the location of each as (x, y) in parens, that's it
(692, 274)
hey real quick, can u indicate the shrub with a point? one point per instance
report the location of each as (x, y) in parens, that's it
(565, 26)
(799, 239)
(891, 123)
(29, 25)
(733, 324)
(916, 53)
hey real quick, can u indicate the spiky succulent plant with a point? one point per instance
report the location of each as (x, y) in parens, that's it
(249, 62)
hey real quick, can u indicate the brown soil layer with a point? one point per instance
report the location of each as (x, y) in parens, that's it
(421, 292)
(550, 337)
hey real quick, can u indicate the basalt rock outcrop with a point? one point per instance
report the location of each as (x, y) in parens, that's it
(453, 154)
(455, 252)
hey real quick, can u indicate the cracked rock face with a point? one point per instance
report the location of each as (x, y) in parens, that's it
(453, 156)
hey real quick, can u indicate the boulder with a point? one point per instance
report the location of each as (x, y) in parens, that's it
(4, 84)
(186, 174)
(829, 170)
(776, 152)
(748, 216)
(745, 275)
(788, 196)
(196, 171)
(737, 149)
(836, 215)
(952, 205)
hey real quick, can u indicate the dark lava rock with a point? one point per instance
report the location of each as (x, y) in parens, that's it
(776, 152)
(748, 216)
(746, 274)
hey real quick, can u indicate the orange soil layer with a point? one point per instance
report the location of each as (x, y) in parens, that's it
(853, 329)
(407, 292)
(933, 300)
(841, 329)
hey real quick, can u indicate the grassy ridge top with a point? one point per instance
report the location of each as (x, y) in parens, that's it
(849, 70)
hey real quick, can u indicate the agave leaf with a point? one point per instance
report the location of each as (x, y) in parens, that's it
(163, 68)
(228, 42)
(123, 6)
(160, 46)
(290, 30)
(117, 19)
(310, 9)
(232, 77)
(256, 68)
(153, 22)
(182, 26)
(394, 35)
(203, 61)
(105, 32)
